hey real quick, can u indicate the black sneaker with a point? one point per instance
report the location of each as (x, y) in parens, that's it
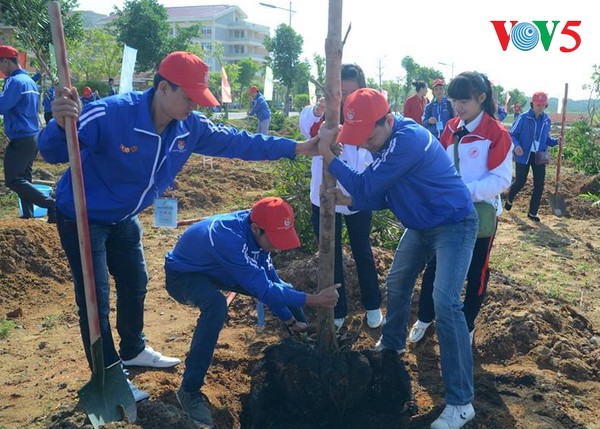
(196, 405)
(533, 217)
(507, 205)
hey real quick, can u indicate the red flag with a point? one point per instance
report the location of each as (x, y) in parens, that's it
(225, 88)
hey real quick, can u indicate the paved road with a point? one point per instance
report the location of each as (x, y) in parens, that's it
(242, 115)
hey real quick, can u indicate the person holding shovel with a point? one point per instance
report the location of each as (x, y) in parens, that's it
(19, 100)
(132, 147)
(531, 138)
(413, 177)
(233, 252)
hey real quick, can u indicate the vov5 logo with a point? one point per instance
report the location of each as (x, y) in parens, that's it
(526, 35)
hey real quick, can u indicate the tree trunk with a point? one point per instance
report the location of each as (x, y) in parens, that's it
(333, 51)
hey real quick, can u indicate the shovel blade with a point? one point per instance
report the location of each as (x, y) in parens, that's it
(107, 398)
(558, 204)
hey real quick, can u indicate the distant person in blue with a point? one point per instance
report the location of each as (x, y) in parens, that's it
(88, 96)
(412, 176)
(233, 252)
(19, 102)
(439, 111)
(133, 145)
(111, 87)
(260, 108)
(530, 134)
(47, 103)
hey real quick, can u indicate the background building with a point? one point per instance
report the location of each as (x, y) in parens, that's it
(222, 24)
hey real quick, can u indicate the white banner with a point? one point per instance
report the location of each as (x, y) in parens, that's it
(225, 87)
(268, 91)
(312, 93)
(127, 68)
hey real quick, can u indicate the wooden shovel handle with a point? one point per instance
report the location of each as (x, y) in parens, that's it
(83, 231)
(562, 136)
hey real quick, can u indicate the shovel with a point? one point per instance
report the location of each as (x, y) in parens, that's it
(106, 397)
(557, 201)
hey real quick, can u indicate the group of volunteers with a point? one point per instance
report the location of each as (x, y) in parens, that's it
(435, 179)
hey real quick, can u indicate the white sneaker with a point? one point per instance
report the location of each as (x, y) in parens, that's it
(418, 331)
(454, 417)
(339, 322)
(150, 358)
(374, 318)
(379, 347)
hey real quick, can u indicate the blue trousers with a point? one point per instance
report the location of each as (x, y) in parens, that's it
(452, 246)
(117, 251)
(199, 290)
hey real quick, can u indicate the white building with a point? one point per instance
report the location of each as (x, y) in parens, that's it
(222, 24)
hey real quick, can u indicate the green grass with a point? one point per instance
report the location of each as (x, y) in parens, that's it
(51, 320)
(8, 204)
(6, 327)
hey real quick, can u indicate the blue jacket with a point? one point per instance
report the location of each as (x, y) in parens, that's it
(441, 111)
(48, 98)
(127, 164)
(412, 176)
(19, 101)
(527, 129)
(260, 108)
(223, 247)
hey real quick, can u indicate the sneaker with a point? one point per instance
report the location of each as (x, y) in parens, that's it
(418, 331)
(374, 318)
(150, 358)
(379, 347)
(534, 218)
(339, 322)
(138, 394)
(454, 417)
(508, 205)
(196, 405)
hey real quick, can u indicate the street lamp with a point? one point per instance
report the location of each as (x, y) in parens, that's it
(272, 6)
(451, 65)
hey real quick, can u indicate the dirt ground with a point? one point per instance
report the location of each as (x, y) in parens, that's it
(536, 344)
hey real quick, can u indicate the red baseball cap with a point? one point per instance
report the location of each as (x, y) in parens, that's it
(362, 109)
(539, 98)
(253, 89)
(191, 74)
(437, 82)
(7, 51)
(276, 217)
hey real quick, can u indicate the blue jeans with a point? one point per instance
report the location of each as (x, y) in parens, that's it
(116, 250)
(477, 282)
(199, 290)
(452, 246)
(359, 230)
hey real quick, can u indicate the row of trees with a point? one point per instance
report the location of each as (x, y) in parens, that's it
(96, 54)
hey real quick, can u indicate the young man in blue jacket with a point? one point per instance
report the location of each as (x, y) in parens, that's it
(260, 108)
(233, 252)
(19, 102)
(413, 177)
(132, 147)
(530, 134)
(439, 111)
